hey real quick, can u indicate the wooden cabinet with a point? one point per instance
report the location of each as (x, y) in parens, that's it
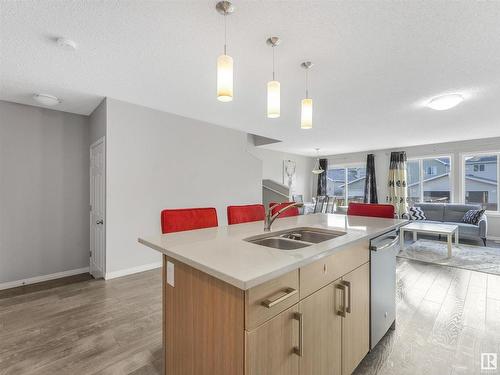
(324, 271)
(270, 348)
(356, 323)
(322, 341)
(203, 324)
(305, 322)
(336, 326)
(270, 298)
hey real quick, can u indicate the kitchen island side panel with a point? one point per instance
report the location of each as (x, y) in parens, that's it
(203, 323)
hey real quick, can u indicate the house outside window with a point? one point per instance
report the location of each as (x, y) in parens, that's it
(480, 180)
(432, 170)
(429, 180)
(346, 184)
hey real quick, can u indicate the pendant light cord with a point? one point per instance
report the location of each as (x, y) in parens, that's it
(225, 34)
(274, 74)
(307, 84)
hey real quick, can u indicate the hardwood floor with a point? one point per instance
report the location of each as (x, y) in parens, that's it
(88, 327)
(446, 317)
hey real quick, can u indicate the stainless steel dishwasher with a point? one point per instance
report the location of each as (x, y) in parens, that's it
(383, 251)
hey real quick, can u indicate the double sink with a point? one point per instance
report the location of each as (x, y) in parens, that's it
(295, 238)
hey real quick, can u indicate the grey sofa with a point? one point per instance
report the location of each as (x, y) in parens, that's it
(449, 213)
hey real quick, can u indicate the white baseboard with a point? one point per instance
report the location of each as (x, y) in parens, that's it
(130, 271)
(39, 279)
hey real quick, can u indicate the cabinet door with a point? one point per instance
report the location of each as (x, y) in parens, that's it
(271, 348)
(356, 324)
(322, 329)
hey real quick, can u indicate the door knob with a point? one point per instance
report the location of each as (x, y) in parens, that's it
(99, 222)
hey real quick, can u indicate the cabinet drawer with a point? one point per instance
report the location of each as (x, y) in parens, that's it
(269, 299)
(324, 271)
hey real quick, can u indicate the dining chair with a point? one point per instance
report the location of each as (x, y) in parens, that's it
(330, 205)
(320, 204)
(246, 213)
(370, 209)
(181, 219)
(293, 211)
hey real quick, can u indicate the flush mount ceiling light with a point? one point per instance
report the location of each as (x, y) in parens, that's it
(66, 43)
(444, 102)
(225, 62)
(46, 99)
(317, 168)
(307, 103)
(273, 87)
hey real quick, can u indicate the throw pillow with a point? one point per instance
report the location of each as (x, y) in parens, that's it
(473, 217)
(416, 213)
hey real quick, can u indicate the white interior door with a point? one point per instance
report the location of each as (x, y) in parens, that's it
(97, 208)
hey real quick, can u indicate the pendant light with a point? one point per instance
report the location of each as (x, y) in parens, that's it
(225, 62)
(273, 87)
(317, 168)
(307, 103)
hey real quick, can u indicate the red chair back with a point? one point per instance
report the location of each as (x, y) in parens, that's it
(245, 214)
(181, 219)
(373, 210)
(294, 211)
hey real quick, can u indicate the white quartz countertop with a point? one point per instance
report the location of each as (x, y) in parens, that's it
(222, 252)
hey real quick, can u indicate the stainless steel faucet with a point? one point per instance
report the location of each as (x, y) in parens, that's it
(270, 217)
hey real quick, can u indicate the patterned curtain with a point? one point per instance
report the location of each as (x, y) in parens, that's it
(370, 182)
(398, 187)
(321, 190)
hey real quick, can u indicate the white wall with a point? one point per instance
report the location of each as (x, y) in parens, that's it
(273, 169)
(454, 149)
(157, 160)
(44, 192)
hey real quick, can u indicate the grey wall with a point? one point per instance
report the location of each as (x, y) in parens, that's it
(272, 168)
(157, 160)
(44, 190)
(455, 149)
(97, 122)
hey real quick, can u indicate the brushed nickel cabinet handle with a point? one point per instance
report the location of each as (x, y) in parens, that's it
(300, 349)
(348, 286)
(342, 312)
(279, 297)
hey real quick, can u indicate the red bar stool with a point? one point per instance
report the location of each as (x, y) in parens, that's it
(373, 210)
(181, 219)
(245, 213)
(293, 211)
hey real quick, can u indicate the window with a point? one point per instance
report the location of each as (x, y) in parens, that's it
(347, 184)
(480, 180)
(432, 170)
(478, 167)
(413, 177)
(335, 183)
(429, 179)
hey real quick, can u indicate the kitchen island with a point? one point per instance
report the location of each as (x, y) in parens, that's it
(233, 306)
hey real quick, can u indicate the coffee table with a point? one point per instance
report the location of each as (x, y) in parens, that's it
(447, 230)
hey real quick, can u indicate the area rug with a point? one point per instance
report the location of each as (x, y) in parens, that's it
(474, 258)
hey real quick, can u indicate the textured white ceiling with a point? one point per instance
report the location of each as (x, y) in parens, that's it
(375, 62)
